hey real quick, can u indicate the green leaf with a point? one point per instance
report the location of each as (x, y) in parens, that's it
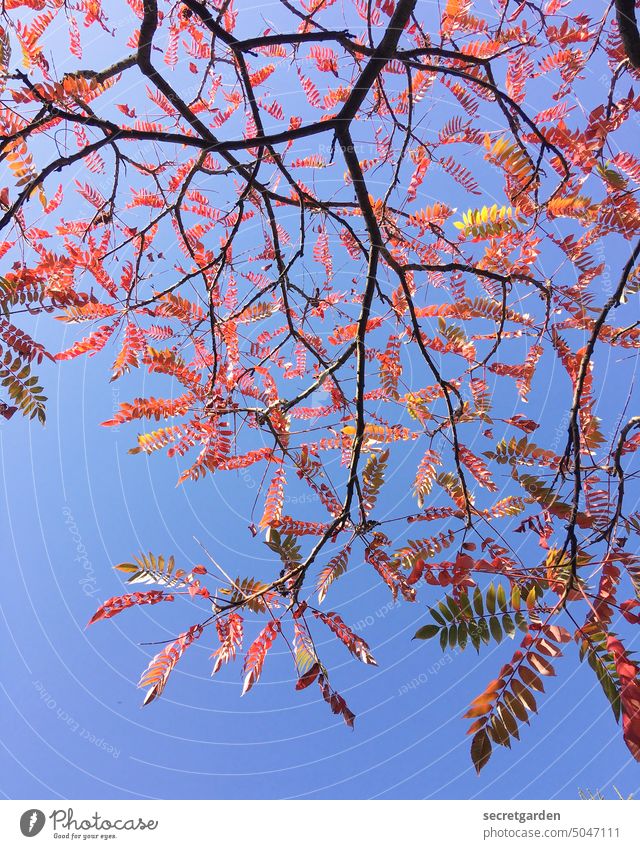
(152, 569)
(445, 611)
(465, 606)
(496, 630)
(521, 622)
(463, 633)
(426, 632)
(474, 634)
(509, 626)
(491, 599)
(437, 616)
(483, 630)
(454, 607)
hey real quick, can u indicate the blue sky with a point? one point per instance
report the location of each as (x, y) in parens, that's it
(73, 726)
(76, 504)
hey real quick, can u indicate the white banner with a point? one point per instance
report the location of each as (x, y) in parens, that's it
(321, 824)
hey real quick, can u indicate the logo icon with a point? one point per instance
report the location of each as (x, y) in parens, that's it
(32, 822)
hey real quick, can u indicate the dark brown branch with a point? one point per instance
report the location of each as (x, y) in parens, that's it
(627, 24)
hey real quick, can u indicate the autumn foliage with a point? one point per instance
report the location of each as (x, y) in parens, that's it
(380, 271)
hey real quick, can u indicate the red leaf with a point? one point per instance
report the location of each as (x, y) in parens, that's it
(629, 695)
(119, 603)
(308, 678)
(254, 660)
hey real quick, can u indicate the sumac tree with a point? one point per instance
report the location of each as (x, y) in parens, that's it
(365, 239)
